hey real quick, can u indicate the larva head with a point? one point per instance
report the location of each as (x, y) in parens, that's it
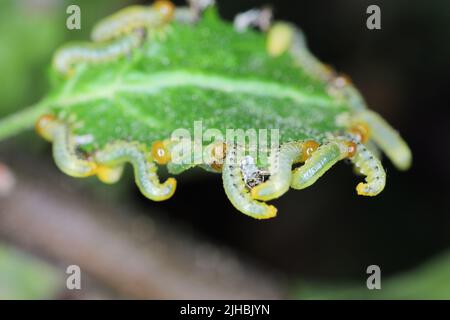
(165, 8)
(308, 148)
(218, 153)
(361, 131)
(351, 148)
(279, 39)
(109, 175)
(44, 126)
(160, 153)
(342, 81)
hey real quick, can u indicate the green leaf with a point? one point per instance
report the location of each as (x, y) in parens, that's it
(206, 72)
(202, 72)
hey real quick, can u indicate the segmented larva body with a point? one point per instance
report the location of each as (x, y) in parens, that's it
(342, 87)
(372, 147)
(280, 169)
(132, 18)
(368, 165)
(283, 37)
(68, 57)
(185, 15)
(237, 191)
(387, 138)
(64, 148)
(119, 153)
(181, 155)
(321, 161)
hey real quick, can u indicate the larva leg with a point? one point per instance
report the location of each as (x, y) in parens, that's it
(320, 162)
(387, 139)
(370, 166)
(146, 178)
(237, 191)
(68, 57)
(64, 149)
(280, 169)
(133, 18)
(285, 37)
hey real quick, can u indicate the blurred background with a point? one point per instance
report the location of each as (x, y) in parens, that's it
(197, 245)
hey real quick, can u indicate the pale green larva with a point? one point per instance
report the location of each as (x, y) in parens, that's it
(132, 18)
(68, 57)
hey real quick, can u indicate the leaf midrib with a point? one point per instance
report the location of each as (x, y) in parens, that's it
(155, 83)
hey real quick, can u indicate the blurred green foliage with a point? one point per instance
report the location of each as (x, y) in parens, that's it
(25, 277)
(30, 31)
(429, 281)
(27, 39)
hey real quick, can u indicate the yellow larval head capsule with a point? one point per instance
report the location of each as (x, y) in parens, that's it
(218, 154)
(361, 131)
(351, 149)
(308, 148)
(160, 153)
(166, 8)
(109, 175)
(43, 126)
(279, 39)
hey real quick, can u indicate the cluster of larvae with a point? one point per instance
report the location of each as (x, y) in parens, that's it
(247, 186)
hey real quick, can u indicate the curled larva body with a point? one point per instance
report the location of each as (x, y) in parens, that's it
(236, 189)
(132, 18)
(64, 147)
(280, 169)
(68, 57)
(121, 152)
(64, 153)
(368, 165)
